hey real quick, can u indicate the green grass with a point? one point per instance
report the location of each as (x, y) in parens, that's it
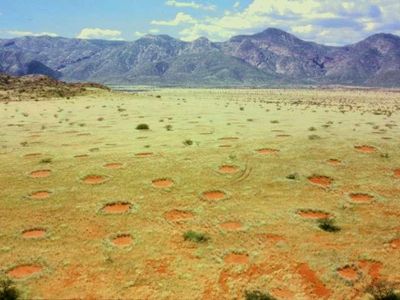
(142, 127)
(328, 225)
(196, 237)
(257, 295)
(8, 291)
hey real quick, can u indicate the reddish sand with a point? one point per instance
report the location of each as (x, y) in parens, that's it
(282, 294)
(40, 195)
(116, 208)
(396, 173)
(231, 226)
(34, 233)
(40, 173)
(321, 180)
(313, 214)
(372, 268)
(333, 162)
(113, 166)
(228, 169)
(395, 244)
(144, 154)
(163, 183)
(122, 240)
(348, 273)
(214, 195)
(235, 258)
(30, 155)
(94, 179)
(178, 215)
(365, 149)
(24, 271)
(361, 198)
(311, 278)
(266, 151)
(225, 146)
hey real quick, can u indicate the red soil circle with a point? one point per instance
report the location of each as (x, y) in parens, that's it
(348, 273)
(162, 183)
(323, 181)
(40, 195)
(178, 215)
(334, 162)
(231, 226)
(94, 179)
(34, 233)
(228, 169)
(395, 244)
(313, 214)
(361, 198)
(214, 195)
(122, 240)
(396, 173)
(117, 208)
(40, 173)
(144, 154)
(23, 271)
(266, 151)
(365, 149)
(113, 166)
(236, 258)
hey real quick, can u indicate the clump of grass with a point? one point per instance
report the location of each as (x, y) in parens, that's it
(274, 122)
(312, 128)
(385, 155)
(314, 137)
(241, 108)
(142, 127)
(292, 176)
(168, 127)
(188, 142)
(196, 237)
(45, 161)
(383, 291)
(8, 291)
(328, 225)
(257, 295)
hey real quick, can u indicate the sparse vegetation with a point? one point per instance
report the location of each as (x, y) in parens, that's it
(188, 142)
(383, 291)
(196, 237)
(257, 295)
(8, 291)
(142, 127)
(46, 161)
(328, 225)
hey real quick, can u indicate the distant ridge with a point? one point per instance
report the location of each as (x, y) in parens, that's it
(271, 57)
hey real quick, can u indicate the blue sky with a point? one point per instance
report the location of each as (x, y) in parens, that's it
(332, 22)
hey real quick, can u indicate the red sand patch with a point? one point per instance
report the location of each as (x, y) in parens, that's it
(117, 208)
(365, 149)
(266, 151)
(236, 258)
(34, 233)
(214, 195)
(396, 173)
(113, 166)
(324, 181)
(40, 173)
(395, 244)
(311, 278)
(313, 214)
(228, 169)
(94, 179)
(122, 240)
(24, 271)
(225, 146)
(348, 273)
(334, 162)
(31, 155)
(178, 215)
(282, 294)
(162, 183)
(372, 268)
(231, 226)
(361, 198)
(40, 195)
(144, 154)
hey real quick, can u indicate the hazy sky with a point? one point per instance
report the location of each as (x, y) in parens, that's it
(332, 22)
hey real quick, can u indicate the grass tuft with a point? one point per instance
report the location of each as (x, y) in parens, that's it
(142, 127)
(328, 225)
(196, 237)
(383, 291)
(8, 291)
(257, 295)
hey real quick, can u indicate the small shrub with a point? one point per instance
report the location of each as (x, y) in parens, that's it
(8, 291)
(312, 129)
(46, 161)
(188, 142)
(257, 295)
(328, 225)
(274, 122)
(293, 176)
(383, 291)
(196, 237)
(314, 137)
(142, 127)
(168, 127)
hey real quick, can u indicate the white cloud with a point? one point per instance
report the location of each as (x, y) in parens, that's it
(191, 4)
(180, 18)
(98, 33)
(236, 5)
(29, 33)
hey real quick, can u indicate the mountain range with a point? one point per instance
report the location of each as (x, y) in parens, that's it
(269, 58)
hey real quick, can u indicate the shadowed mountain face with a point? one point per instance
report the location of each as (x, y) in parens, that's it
(267, 58)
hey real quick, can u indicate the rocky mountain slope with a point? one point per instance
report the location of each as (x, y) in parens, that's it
(270, 57)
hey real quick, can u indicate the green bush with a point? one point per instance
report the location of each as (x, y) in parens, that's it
(196, 237)
(8, 291)
(142, 127)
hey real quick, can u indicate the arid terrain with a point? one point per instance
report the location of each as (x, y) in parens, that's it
(291, 193)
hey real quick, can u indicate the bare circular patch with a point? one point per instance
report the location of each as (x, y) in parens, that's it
(231, 226)
(94, 179)
(228, 169)
(348, 273)
(178, 215)
(214, 195)
(236, 258)
(117, 207)
(162, 183)
(361, 198)
(40, 195)
(365, 149)
(266, 151)
(313, 214)
(113, 166)
(24, 271)
(323, 181)
(122, 240)
(395, 244)
(144, 154)
(40, 173)
(334, 162)
(396, 173)
(35, 233)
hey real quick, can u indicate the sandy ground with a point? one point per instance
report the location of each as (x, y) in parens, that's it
(93, 208)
